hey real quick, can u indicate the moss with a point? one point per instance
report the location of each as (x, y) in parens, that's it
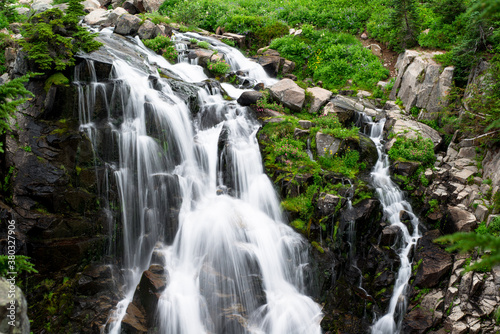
(57, 79)
(318, 247)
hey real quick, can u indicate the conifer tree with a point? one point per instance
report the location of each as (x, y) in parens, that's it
(404, 22)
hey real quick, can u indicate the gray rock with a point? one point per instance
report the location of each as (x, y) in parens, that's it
(326, 144)
(467, 152)
(491, 168)
(22, 10)
(127, 24)
(91, 5)
(481, 212)
(461, 175)
(401, 126)
(421, 81)
(97, 17)
(40, 6)
(344, 115)
(327, 204)
(147, 30)
(151, 5)
(376, 49)
(289, 94)
(305, 124)
(249, 97)
(297, 133)
(17, 312)
(115, 14)
(320, 97)
(460, 220)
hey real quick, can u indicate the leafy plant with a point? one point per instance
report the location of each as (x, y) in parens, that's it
(203, 44)
(413, 149)
(218, 67)
(158, 44)
(22, 265)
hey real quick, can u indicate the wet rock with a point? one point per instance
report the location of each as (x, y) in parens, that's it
(16, 314)
(405, 168)
(344, 115)
(239, 39)
(249, 98)
(127, 24)
(327, 204)
(289, 94)
(389, 235)
(320, 97)
(326, 144)
(436, 262)
(134, 321)
(271, 64)
(147, 30)
(459, 220)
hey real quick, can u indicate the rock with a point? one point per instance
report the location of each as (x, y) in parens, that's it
(297, 133)
(249, 97)
(17, 312)
(134, 321)
(239, 39)
(298, 32)
(91, 5)
(491, 168)
(40, 6)
(147, 30)
(151, 5)
(305, 124)
(22, 10)
(400, 126)
(133, 7)
(344, 115)
(327, 204)
(104, 3)
(127, 24)
(405, 168)
(481, 212)
(271, 64)
(364, 36)
(461, 176)
(164, 30)
(290, 76)
(220, 31)
(421, 82)
(288, 67)
(417, 321)
(115, 14)
(289, 94)
(97, 17)
(467, 152)
(376, 49)
(326, 144)
(320, 97)
(460, 220)
(389, 235)
(436, 262)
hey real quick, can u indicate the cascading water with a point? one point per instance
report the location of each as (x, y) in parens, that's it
(393, 203)
(233, 265)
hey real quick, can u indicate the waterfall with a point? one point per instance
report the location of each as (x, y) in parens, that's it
(193, 191)
(393, 203)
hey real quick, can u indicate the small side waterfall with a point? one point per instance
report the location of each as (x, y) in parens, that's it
(394, 204)
(192, 190)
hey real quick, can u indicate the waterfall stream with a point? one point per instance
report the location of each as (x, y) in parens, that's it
(193, 191)
(394, 204)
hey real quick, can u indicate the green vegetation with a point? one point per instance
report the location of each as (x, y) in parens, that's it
(12, 95)
(413, 149)
(331, 57)
(52, 38)
(23, 265)
(218, 67)
(164, 46)
(203, 45)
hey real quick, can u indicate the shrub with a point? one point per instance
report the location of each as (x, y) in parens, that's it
(203, 44)
(170, 53)
(158, 44)
(413, 149)
(22, 265)
(218, 67)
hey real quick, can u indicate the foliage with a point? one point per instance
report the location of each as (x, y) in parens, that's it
(170, 53)
(52, 39)
(158, 44)
(8, 14)
(228, 42)
(413, 149)
(403, 20)
(203, 44)
(330, 57)
(23, 265)
(12, 95)
(218, 67)
(263, 103)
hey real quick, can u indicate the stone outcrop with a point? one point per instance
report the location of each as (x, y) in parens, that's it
(320, 97)
(98, 17)
(127, 24)
(249, 97)
(289, 94)
(273, 63)
(421, 82)
(13, 309)
(147, 30)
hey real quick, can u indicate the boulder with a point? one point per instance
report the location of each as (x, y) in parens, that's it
(97, 17)
(417, 321)
(18, 312)
(271, 64)
(289, 94)
(239, 39)
(459, 220)
(421, 82)
(405, 168)
(288, 67)
(40, 6)
(389, 235)
(376, 49)
(320, 97)
(400, 125)
(327, 204)
(326, 144)
(436, 262)
(127, 24)
(249, 98)
(115, 14)
(344, 115)
(297, 133)
(305, 124)
(147, 30)
(491, 167)
(151, 5)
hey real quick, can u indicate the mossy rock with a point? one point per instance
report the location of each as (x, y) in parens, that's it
(57, 79)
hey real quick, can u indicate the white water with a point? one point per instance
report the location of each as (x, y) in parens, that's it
(234, 266)
(392, 200)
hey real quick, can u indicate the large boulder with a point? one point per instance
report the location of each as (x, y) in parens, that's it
(127, 24)
(421, 82)
(97, 17)
(13, 309)
(289, 94)
(460, 220)
(115, 14)
(147, 30)
(320, 97)
(249, 97)
(326, 144)
(436, 262)
(151, 5)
